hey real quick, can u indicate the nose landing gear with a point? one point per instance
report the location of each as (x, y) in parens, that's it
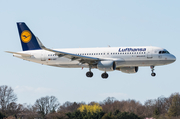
(152, 69)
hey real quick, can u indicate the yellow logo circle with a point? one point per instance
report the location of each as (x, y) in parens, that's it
(26, 36)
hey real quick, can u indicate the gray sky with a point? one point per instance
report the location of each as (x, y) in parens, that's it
(79, 23)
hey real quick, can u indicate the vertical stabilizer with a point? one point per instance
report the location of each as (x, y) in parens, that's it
(27, 38)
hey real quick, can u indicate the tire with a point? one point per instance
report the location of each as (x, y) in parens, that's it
(153, 74)
(104, 75)
(89, 74)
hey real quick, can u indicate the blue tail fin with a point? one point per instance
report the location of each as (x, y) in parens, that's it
(28, 40)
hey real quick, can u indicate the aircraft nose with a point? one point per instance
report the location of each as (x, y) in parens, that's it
(173, 58)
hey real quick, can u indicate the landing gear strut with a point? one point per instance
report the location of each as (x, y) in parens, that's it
(104, 75)
(89, 73)
(152, 69)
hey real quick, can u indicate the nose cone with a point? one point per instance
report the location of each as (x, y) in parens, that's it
(172, 58)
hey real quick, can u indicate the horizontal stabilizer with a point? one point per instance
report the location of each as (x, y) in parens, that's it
(22, 54)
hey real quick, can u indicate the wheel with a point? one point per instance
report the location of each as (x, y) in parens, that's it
(89, 74)
(104, 75)
(153, 74)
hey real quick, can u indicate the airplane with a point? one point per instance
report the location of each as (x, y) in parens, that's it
(124, 59)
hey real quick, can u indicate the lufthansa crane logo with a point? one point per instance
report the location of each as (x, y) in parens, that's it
(26, 36)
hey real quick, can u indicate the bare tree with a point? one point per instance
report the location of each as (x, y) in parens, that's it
(69, 106)
(149, 108)
(109, 100)
(7, 98)
(57, 115)
(28, 112)
(47, 104)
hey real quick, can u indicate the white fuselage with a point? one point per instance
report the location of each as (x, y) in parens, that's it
(123, 56)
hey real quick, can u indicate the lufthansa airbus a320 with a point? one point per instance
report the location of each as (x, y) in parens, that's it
(124, 59)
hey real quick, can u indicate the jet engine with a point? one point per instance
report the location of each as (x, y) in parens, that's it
(106, 65)
(129, 70)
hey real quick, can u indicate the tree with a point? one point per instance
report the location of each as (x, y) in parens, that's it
(7, 98)
(1, 115)
(156, 113)
(92, 111)
(108, 116)
(57, 115)
(69, 107)
(28, 112)
(47, 104)
(109, 100)
(10, 117)
(174, 109)
(85, 115)
(127, 115)
(90, 108)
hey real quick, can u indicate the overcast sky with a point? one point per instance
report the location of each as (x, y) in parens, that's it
(90, 23)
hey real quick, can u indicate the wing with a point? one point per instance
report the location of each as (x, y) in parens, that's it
(22, 54)
(80, 58)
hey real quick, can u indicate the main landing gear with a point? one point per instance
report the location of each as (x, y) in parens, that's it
(152, 69)
(89, 73)
(104, 75)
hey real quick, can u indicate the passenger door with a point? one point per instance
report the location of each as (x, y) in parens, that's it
(149, 53)
(43, 56)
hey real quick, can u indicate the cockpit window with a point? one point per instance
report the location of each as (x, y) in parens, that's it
(163, 52)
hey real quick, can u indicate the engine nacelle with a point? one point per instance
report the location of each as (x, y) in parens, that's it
(129, 70)
(106, 65)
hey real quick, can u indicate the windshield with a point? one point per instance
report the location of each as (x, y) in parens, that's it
(164, 52)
